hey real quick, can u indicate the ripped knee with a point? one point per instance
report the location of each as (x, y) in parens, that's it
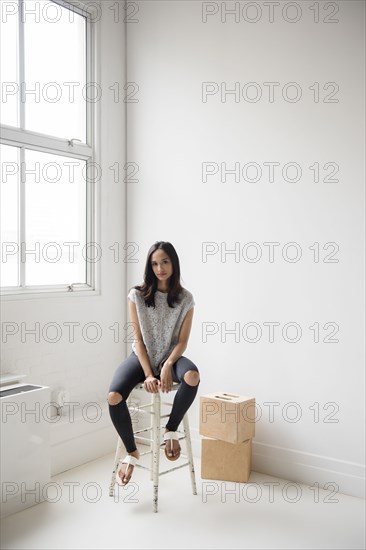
(114, 398)
(192, 377)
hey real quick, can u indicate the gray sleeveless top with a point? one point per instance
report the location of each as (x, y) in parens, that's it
(160, 326)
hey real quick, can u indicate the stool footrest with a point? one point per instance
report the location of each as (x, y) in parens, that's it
(141, 431)
(143, 467)
(139, 438)
(172, 469)
(139, 409)
(145, 453)
(183, 436)
(165, 471)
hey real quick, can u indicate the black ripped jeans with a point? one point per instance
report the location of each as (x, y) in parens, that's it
(128, 375)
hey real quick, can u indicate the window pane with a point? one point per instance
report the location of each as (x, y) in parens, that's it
(9, 235)
(55, 219)
(55, 70)
(9, 79)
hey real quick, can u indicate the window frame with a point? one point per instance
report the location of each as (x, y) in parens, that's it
(90, 152)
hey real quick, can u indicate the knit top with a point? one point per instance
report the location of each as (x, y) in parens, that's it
(160, 326)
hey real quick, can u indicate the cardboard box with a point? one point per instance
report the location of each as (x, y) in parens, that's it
(227, 416)
(226, 461)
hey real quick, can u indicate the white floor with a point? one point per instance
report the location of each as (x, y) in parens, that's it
(223, 515)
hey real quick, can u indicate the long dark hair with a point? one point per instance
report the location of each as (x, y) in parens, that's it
(150, 285)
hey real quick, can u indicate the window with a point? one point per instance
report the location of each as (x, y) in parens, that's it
(48, 120)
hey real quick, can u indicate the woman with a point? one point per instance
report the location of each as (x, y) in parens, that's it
(161, 312)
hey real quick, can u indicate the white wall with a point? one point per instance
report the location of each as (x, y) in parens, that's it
(82, 368)
(171, 132)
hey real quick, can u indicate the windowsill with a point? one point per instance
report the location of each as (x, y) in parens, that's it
(36, 295)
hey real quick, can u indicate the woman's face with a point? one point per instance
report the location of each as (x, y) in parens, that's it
(161, 265)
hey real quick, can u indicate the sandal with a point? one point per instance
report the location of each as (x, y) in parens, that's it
(170, 436)
(130, 460)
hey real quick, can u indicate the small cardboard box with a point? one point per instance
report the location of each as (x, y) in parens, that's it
(226, 461)
(227, 416)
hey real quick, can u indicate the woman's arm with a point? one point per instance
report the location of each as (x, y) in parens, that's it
(183, 338)
(166, 377)
(139, 343)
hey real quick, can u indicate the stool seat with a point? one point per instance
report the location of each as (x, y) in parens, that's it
(140, 386)
(153, 410)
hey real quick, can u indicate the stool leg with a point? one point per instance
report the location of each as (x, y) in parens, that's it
(156, 448)
(115, 467)
(189, 452)
(152, 435)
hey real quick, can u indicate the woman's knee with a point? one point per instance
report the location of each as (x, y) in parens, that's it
(114, 398)
(192, 377)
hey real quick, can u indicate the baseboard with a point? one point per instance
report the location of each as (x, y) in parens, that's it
(347, 477)
(301, 467)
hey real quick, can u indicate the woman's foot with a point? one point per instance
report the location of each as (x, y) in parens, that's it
(125, 470)
(170, 453)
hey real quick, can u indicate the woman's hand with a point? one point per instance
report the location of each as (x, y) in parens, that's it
(151, 384)
(166, 378)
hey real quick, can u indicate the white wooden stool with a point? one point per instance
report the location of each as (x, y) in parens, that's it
(155, 445)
